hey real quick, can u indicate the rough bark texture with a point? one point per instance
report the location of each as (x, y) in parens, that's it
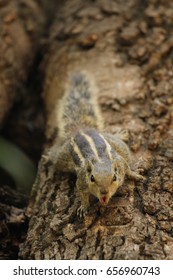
(13, 224)
(127, 47)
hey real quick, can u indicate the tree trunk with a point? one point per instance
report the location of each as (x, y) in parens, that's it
(126, 46)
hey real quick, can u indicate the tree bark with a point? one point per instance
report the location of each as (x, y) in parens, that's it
(126, 47)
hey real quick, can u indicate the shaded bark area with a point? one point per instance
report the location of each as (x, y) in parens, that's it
(127, 47)
(13, 223)
(23, 26)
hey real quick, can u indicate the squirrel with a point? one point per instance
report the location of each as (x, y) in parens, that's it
(99, 159)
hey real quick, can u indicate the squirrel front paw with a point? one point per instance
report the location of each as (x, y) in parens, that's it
(123, 134)
(82, 211)
(136, 176)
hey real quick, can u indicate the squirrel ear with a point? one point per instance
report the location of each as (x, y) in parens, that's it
(88, 166)
(119, 164)
(90, 163)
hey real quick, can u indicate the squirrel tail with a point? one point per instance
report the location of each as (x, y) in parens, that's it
(78, 107)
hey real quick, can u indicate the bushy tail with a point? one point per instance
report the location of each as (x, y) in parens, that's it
(79, 108)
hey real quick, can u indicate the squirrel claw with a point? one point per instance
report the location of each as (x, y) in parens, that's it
(123, 134)
(142, 178)
(136, 176)
(139, 177)
(82, 211)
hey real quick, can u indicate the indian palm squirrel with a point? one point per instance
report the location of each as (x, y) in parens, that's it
(99, 159)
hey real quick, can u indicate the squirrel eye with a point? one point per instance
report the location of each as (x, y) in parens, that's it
(92, 178)
(114, 178)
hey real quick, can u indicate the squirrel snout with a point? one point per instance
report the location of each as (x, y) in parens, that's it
(104, 192)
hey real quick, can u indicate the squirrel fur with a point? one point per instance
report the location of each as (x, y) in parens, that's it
(99, 159)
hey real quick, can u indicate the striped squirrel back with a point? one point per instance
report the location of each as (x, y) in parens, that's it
(90, 145)
(78, 107)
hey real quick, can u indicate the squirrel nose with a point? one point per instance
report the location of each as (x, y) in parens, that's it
(104, 192)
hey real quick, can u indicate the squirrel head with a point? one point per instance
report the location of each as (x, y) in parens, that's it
(103, 178)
